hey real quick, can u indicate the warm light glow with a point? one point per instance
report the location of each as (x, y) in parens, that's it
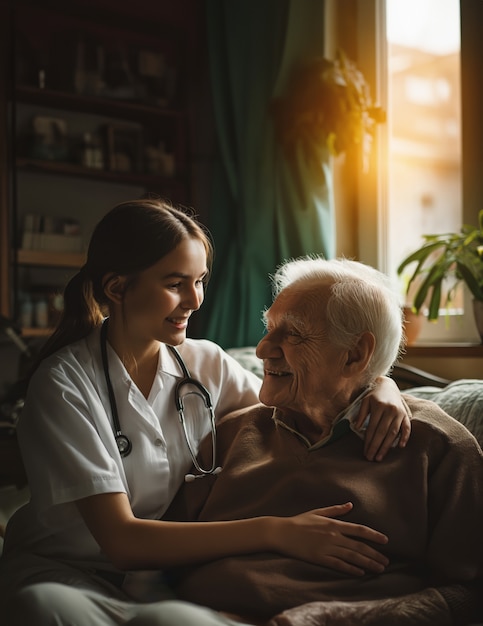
(430, 25)
(424, 130)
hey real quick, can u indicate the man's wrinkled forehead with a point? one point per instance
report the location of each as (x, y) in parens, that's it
(297, 305)
(292, 318)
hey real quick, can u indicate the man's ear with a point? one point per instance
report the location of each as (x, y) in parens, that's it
(359, 356)
(114, 287)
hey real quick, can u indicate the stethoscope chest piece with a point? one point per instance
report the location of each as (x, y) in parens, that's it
(124, 444)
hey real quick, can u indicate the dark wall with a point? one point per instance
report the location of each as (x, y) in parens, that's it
(472, 104)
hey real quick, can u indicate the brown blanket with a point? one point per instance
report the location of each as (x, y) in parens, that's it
(419, 497)
(426, 608)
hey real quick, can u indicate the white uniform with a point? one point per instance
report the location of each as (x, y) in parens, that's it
(67, 440)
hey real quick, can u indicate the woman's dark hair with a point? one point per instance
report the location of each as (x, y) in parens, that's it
(130, 238)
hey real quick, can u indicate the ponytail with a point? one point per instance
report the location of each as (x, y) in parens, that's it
(81, 314)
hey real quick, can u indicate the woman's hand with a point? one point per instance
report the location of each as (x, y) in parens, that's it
(318, 538)
(314, 536)
(389, 419)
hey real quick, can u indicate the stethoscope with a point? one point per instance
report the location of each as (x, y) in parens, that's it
(124, 444)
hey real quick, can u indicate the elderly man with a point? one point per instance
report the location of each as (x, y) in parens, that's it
(333, 327)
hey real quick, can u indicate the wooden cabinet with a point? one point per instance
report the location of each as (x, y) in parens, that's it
(162, 125)
(93, 113)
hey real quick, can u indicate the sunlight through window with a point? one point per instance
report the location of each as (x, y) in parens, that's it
(424, 124)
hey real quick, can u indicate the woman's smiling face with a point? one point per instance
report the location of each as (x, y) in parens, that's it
(162, 298)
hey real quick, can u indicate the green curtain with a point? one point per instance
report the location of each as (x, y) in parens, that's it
(263, 210)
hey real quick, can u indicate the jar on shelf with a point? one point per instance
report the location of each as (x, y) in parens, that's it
(41, 313)
(26, 313)
(92, 155)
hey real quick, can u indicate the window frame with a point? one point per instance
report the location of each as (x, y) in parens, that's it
(365, 32)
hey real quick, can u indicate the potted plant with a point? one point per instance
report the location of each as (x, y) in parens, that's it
(453, 258)
(326, 103)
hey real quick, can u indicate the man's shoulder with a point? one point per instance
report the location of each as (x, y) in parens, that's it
(428, 416)
(258, 413)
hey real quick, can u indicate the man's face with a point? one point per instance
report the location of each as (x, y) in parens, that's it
(302, 369)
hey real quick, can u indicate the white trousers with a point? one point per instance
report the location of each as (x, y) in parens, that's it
(35, 591)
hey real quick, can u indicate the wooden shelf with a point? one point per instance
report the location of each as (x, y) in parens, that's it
(58, 168)
(50, 259)
(126, 109)
(36, 332)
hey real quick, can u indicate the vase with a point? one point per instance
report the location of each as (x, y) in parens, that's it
(413, 322)
(478, 313)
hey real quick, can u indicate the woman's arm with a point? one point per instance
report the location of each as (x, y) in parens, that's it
(315, 536)
(389, 419)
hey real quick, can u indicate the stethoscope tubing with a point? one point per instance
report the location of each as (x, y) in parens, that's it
(124, 444)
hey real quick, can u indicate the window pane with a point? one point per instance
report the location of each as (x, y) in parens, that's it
(424, 148)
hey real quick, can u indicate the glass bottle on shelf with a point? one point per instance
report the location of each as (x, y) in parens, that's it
(92, 156)
(26, 312)
(41, 313)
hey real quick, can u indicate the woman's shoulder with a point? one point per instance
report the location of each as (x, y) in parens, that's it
(205, 346)
(211, 361)
(79, 356)
(203, 354)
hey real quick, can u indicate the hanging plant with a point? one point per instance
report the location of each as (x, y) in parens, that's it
(327, 103)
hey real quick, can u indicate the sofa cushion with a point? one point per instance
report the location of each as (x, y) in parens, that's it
(248, 359)
(462, 399)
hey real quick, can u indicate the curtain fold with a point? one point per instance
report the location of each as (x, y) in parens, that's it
(263, 208)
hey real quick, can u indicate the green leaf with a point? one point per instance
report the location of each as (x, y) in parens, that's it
(435, 302)
(419, 255)
(432, 281)
(415, 274)
(471, 281)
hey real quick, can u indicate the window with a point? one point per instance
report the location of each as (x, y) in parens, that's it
(414, 62)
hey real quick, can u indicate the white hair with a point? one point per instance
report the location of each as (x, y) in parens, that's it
(361, 299)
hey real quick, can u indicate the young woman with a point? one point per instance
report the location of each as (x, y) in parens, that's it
(106, 446)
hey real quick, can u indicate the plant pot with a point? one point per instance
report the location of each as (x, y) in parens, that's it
(413, 322)
(478, 313)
